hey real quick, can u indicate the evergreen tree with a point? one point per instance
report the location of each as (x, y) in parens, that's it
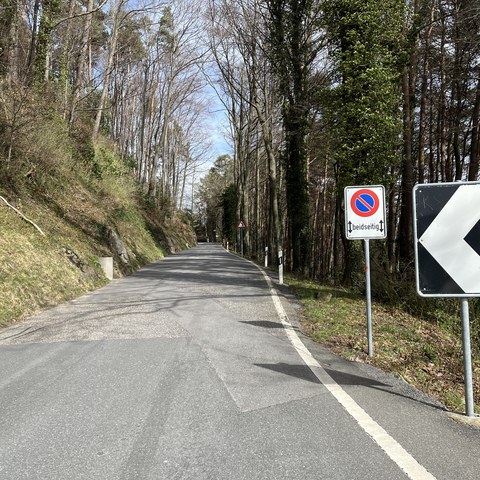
(366, 98)
(294, 42)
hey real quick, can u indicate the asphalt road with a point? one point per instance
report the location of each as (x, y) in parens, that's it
(187, 370)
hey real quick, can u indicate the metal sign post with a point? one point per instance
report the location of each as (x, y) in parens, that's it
(369, 298)
(447, 253)
(467, 359)
(241, 226)
(280, 267)
(365, 219)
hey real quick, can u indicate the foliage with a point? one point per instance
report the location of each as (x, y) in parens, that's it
(35, 148)
(211, 193)
(108, 163)
(366, 102)
(229, 206)
(292, 28)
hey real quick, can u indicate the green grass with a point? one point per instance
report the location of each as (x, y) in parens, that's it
(426, 354)
(76, 209)
(35, 271)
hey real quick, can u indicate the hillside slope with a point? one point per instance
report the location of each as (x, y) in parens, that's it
(85, 210)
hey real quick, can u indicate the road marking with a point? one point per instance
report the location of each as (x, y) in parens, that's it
(388, 444)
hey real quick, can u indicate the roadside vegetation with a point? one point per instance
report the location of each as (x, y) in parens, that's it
(86, 221)
(63, 205)
(420, 342)
(104, 128)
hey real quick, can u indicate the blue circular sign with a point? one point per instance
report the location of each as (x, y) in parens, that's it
(365, 202)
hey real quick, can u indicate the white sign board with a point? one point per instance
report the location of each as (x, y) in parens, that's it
(447, 239)
(365, 216)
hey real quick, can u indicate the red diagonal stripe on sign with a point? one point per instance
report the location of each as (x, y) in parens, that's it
(366, 204)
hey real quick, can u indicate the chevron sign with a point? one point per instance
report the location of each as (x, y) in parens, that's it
(447, 239)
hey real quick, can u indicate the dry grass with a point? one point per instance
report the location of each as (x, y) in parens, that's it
(35, 273)
(426, 354)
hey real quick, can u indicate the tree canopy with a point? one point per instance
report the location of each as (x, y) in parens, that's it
(318, 95)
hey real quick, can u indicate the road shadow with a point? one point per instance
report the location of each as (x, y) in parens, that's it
(263, 324)
(303, 372)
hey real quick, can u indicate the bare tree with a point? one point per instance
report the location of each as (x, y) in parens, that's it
(237, 39)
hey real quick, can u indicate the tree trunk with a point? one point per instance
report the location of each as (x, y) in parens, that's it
(50, 11)
(12, 43)
(475, 140)
(81, 83)
(109, 67)
(423, 99)
(405, 237)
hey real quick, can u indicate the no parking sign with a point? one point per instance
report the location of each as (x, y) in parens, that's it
(365, 213)
(365, 220)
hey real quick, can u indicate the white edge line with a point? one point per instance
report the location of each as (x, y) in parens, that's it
(388, 444)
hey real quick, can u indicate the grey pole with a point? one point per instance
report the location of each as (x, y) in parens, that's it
(280, 267)
(369, 298)
(467, 358)
(241, 242)
(266, 257)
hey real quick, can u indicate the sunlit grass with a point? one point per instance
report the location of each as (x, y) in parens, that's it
(425, 354)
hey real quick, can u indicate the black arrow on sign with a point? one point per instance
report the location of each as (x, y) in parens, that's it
(472, 238)
(349, 227)
(381, 225)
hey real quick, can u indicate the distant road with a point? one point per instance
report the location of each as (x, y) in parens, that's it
(189, 370)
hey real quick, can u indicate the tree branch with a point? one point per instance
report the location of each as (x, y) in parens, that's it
(23, 216)
(83, 14)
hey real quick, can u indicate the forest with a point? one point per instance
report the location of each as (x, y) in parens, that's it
(319, 95)
(326, 94)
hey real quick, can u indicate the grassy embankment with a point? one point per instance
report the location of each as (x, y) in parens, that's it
(426, 353)
(85, 208)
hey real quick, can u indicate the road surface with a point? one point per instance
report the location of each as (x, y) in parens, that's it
(193, 368)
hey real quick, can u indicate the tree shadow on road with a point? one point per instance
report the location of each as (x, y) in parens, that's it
(303, 372)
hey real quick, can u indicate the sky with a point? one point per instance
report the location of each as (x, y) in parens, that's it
(217, 126)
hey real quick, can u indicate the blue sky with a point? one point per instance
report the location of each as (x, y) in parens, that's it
(217, 125)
